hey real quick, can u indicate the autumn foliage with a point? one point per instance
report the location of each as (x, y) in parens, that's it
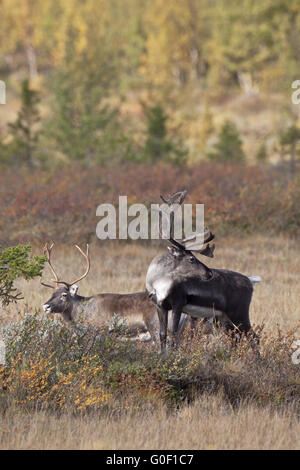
(61, 204)
(81, 368)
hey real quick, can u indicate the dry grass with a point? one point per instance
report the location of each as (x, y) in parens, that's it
(117, 267)
(210, 422)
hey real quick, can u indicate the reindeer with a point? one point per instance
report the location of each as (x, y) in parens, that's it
(180, 282)
(136, 308)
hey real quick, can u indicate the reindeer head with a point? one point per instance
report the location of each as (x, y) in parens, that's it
(61, 301)
(63, 297)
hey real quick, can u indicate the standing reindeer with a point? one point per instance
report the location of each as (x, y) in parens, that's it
(136, 308)
(178, 281)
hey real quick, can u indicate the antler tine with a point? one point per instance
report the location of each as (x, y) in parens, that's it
(201, 239)
(46, 285)
(47, 252)
(171, 199)
(87, 257)
(208, 250)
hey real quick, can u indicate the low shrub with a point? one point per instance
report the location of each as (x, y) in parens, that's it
(53, 366)
(61, 204)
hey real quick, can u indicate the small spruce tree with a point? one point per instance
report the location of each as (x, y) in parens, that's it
(158, 145)
(81, 126)
(24, 130)
(229, 146)
(262, 155)
(15, 264)
(289, 141)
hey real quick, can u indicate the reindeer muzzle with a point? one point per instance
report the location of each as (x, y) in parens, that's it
(47, 308)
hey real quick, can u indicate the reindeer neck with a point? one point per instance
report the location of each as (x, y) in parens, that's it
(80, 307)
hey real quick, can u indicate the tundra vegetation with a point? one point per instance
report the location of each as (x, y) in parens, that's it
(77, 378)
(97, 108)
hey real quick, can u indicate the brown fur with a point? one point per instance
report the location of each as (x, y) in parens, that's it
(136, 308)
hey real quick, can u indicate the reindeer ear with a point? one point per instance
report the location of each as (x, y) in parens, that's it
(208, 251)
(73, 290)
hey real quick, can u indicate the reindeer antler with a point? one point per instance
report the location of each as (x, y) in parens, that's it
(46, 285)
(47, 251)
(197, 241)
(87, 257)
(173, 201)
(201, 239)
(88, 264)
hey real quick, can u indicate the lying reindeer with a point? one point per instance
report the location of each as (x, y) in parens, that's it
(136, 309)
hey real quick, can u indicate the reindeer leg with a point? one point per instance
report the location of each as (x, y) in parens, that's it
(176, 315)
(152, 328)
(193, 325)
(238, 324)
(183, 323)
(163, 327)
(178, 301)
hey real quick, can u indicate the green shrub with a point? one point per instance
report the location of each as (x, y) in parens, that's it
(14, 264)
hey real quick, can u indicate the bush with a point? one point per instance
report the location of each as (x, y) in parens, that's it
(38, 205)
(54, 366)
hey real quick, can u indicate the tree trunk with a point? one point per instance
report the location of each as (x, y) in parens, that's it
(246, 83)
(31, 60)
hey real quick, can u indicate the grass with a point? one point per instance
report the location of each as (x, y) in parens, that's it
(118, 267)
(209, 423)
(201, 397)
